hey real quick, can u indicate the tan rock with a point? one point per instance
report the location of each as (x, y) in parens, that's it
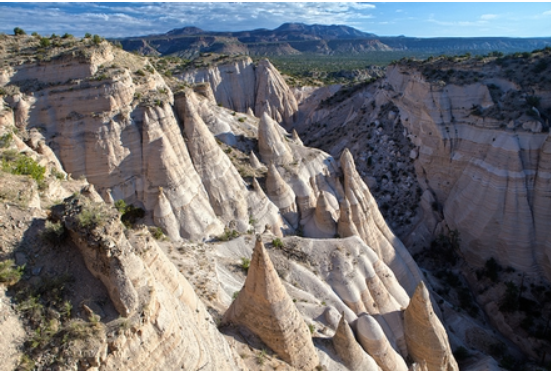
(264, 212)
(264, 307)
(255, 163)
(322, 225)
(164, 217)
(354, 357)
(271, 144)
(296, 138)
(273, 95)
(376, 344)
(426, 337)
(346, 226)
(224, 185)
(281, 194)
(373, 229)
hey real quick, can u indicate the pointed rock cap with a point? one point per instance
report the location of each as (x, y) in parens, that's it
(296, 138)
(323, 217)
(90, 192)
(346, 226)
(107, 197)
(347, 162)
(354, 357)
(271, 145)
(265, 308)
(164, 217)
(278, 190)
(205, 90)
(250, 111)
(426, 337)
(255, 163)
(376, 344)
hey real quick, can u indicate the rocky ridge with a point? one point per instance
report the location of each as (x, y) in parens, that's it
(129, 136)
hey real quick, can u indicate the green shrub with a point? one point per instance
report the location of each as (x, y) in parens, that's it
(87, 35)
(157, 233)
(19, 31)
(140, 73)
(533, 101)
(91, 215)
(228, 235)
(19, 164)
(5, 140)
(9, 273)
(129, 213)
(54, 232)
(245, 263)
(96, 39)
(67, 36)
(277, 243)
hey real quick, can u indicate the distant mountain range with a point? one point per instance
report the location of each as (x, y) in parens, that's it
(299, 38)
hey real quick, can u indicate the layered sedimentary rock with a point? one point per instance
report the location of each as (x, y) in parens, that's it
(273, 96)
(374, 341)
(373, 229)
(169, 325)
(242, 86)
(354, 357)
(281, 194)
(264, 213)
(426, 338)
(264, 307)
(224, 185)
(322, 225)
(164, 217)
(469, 160)
(271, 144)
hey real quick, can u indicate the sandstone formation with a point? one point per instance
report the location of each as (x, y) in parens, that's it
(271, 144)
(426, 338)
(242, 86)
(372, 227)
(224, 185)
(322, 225)
(264, 307)
(170, 326)
(373, 340)
(281, 195)
(355, 358)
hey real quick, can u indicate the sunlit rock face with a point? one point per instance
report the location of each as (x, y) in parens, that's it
(489, 180)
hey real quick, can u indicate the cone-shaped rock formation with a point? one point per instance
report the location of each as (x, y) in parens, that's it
(281, 194)
(426, 337)
(296, 138)
(164, 217)
(354, 357)
(255, 163)
(224, 185)
(264, 307)
(374, 341)
(271, 144)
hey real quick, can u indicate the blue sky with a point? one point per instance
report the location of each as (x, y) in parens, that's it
(384, 19)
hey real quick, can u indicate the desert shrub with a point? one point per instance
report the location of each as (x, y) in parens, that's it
(533, 101)
(277, 243)
(228, 235)
(19, 31)
(9, 272)
(67, 36)
(157, 233)
(54, 232)
(6, 140)
(245, 263)
(91, 215)
(492, 269)
(129, 213)
(510, 301)
(19, 164)
(140, 73)
(96, 39)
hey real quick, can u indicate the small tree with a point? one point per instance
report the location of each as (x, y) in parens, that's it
(96, 39)
(45, 42)
(67, 36)
(19, 31)
(87, 35)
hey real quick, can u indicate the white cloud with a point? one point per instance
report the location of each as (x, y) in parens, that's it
(547, 13)
(487, 17)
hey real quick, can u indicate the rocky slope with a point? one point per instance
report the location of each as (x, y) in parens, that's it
(208, 178)
(459, 145)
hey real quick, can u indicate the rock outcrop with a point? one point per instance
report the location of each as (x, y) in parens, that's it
(241, 86)
(224, 185)
(374, 341)
(264, 307)
(281, 194)
(426, 337)
(271, 144)
(168, 324)
(354, 357)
